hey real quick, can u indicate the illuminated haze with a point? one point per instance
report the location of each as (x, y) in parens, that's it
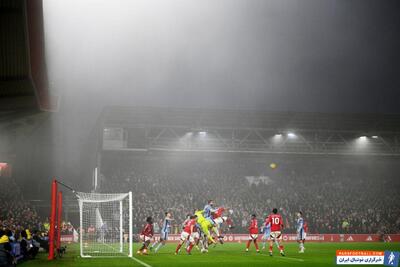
(289, 55)
(283, 55)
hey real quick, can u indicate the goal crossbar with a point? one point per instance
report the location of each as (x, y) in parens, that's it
(105, 224)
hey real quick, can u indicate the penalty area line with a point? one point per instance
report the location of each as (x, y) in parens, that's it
(140, 262)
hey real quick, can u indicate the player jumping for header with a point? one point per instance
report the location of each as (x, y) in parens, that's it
(209, 210)
(205, 226)
(219, 219)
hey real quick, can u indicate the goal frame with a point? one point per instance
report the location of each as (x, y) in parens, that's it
(130, 228)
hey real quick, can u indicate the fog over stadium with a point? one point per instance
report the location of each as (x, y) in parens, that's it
(315, 56)
(311, 56)
(254, 104)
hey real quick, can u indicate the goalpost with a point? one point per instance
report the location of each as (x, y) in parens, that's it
(105, 224)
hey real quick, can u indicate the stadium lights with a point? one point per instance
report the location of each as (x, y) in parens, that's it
(277, 138)
(202, 133)
(361, 142)
(187, 135)
(291, 135)
(374, 137)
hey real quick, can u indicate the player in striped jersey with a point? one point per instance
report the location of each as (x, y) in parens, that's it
(164, 232)
(300, 231)
(266, 232)
(209, 210)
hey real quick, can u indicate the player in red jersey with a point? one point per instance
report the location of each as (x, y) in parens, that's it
(187, 235)
(253, 233)
(218, 219)
(217, 215)
(276, 223)
(146, 235)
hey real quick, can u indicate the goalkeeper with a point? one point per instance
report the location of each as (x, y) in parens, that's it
(205, 225)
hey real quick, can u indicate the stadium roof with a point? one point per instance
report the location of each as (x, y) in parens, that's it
(23, 71)
(171, 129)
(208, 118)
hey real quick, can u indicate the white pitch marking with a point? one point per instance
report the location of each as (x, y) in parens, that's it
(141, 262)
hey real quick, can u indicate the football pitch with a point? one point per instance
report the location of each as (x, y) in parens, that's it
(230, 254)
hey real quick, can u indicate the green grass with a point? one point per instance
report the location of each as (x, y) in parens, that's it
(317, 254)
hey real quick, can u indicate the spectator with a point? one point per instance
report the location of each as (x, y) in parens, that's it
(28, 249)
(6, 258)
(40, 241)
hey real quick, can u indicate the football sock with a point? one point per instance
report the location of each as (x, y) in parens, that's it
(177, 248)
(159, 246)
(255, 244)
(248, 244)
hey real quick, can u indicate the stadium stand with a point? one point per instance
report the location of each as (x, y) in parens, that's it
(348, 196)
(21, 227)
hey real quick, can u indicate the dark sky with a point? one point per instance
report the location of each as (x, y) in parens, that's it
(282, 55)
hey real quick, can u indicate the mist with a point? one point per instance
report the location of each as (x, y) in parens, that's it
(148, 110)
(321, 56)
(301, 56)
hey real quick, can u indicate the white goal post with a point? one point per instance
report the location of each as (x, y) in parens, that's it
(105, 224)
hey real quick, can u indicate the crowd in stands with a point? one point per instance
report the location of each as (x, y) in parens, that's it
(335, 196)
(21, 231)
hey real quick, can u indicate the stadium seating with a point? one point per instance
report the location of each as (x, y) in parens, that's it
(336, 196)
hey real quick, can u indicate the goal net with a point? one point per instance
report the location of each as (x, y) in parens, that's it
(105, 224)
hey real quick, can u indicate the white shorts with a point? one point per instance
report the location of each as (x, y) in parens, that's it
(301, 235)
(218, 221)
(164, 235)
(144, 238)
(276, 235)
(195, 235)
(253, 237)
(186, 236)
